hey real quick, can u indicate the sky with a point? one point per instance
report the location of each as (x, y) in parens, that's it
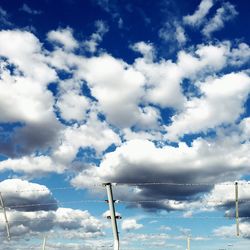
(151, 96)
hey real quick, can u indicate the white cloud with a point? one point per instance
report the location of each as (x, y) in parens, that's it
(91, 44)
(73, 106)
(239, 56)
(118, 88)
(151, 136)
(130, 224)
(68, 218)
(228, 231)
(225, 13)
(162, 81)
(199, 15)
(180, 35)
(26, 196)
(173, 32)
(224, 96)
(94, 134)
(32, 165)
(29, 108)
(30, 60)
(216, 196)
(164, 78)
(202, 162)
(244, 127)
(146, 49)
(26, 215)
(64, 219)
(63, 37)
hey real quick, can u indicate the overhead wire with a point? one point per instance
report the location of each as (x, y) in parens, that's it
(119, 201)
(179, 184)
(100, 185)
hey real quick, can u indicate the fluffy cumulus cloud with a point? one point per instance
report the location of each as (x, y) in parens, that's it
(225, 96)
(24, 71)
(63, 37)
(31, 165)
(139, 161)
(31, 209)
(73, 106)
(130, 224)
(94, 134)
(29, 199)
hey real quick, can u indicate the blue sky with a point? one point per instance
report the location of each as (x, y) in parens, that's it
(133, 93)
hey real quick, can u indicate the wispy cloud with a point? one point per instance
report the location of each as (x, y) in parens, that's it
(225, 13)
(199, 15)
(25, 8)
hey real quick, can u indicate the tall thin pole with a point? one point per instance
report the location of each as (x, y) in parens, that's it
(112, 215)
(44, 243)
(188, 243)
(237, 209)
(5, 216)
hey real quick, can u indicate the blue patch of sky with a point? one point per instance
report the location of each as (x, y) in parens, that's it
(189, 138)
(87, 155)
(53, 88)
(10, 126)
(64, 75)
(110, 149)
(85, 90)
(7, 130)
(189, 89)
(246, 108)
(8, 174)
(166, 114)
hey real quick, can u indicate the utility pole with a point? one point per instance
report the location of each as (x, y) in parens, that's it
(113, 216)
(5, 216)
(237, 209)
(188, 243)
(44, 243)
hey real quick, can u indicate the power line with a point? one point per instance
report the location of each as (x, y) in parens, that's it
(156, 217)
(118, 201)
(194, 218)
(179, 184)
(55, 203)
(179, 202)
(99, 185)
(49, 189)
